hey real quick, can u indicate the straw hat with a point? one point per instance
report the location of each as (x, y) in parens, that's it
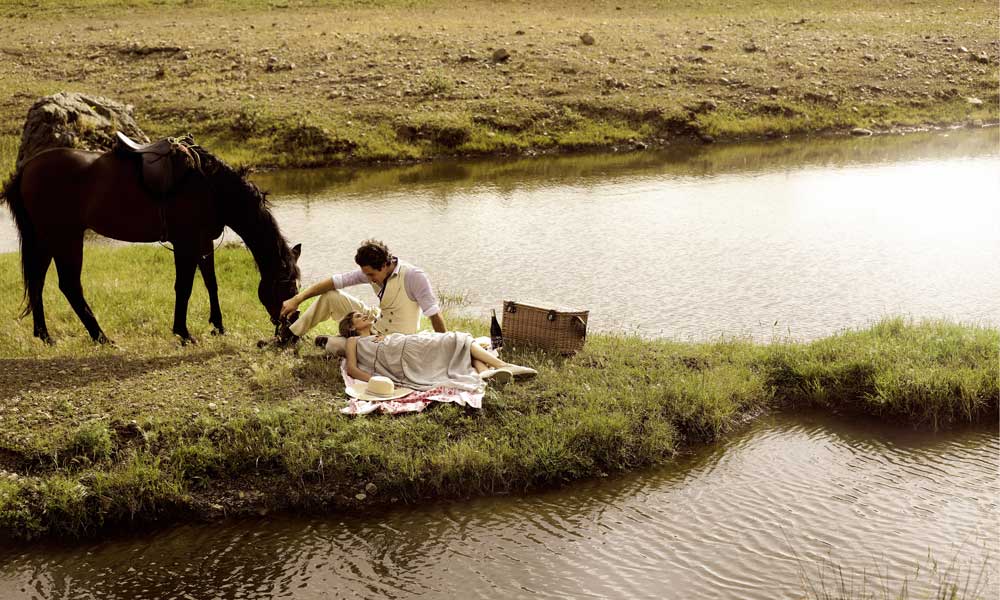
(378, 388)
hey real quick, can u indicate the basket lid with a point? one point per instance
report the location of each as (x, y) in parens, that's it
(547, 306)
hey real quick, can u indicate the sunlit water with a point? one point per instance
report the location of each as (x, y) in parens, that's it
(796, 239)
(792, 498)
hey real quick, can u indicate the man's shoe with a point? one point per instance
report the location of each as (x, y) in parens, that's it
(285, 336)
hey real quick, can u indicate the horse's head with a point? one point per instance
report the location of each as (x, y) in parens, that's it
(244, 208)
(280, 284)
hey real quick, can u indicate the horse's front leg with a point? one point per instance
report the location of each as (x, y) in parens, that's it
(184, 265)
(206, 264)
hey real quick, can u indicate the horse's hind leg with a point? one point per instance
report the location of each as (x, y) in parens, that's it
(69, 266)
(36, 267)
(206, 264)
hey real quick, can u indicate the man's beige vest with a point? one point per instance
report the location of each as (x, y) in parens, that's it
(399, 313)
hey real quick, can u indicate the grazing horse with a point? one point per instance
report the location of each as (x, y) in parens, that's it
(59, 193)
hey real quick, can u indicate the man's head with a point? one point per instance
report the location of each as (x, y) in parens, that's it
(375, 260)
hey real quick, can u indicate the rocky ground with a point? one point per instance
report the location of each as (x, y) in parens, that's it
(295, 83)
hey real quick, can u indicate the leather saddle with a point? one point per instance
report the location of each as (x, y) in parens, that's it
(163, 162)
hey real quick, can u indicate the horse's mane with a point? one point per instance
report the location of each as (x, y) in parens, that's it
(246, 209)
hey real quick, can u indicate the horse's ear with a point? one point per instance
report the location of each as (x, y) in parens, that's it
(297, 251)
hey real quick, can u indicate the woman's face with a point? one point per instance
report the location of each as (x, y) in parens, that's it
(360, 321)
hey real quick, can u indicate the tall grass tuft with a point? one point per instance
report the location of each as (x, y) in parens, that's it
(958, 579)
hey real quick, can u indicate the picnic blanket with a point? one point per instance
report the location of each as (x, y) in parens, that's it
(415, 402)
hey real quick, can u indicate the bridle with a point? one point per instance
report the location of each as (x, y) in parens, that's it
(278, 322)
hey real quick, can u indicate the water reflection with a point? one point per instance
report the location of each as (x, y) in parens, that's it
(682, 160)
(730, 521)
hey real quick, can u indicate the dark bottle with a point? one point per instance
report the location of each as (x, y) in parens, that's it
(496, 334)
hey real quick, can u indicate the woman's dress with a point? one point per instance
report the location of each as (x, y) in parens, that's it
(421, 361)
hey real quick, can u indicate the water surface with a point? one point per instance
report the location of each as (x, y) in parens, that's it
(799, 239)
(744, 519)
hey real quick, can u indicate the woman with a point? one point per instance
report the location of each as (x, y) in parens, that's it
(422, 361)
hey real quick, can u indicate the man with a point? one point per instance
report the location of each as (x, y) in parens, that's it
(403, 291)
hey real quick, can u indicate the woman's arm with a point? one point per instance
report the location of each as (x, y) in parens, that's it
(352, 361)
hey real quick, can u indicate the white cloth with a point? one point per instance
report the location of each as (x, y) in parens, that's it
(415, 402)
(422, 361)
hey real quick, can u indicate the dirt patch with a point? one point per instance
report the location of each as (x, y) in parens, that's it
(52, 374)
(368, 83)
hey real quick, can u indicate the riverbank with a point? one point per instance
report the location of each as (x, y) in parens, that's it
(92, 437)
(304, 83)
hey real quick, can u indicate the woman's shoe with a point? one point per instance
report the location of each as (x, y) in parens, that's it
(500, 377)
(519, 371)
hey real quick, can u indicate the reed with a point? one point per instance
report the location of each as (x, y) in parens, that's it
(962, 577)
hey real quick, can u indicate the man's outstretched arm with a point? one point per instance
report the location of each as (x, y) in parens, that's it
(292, 304)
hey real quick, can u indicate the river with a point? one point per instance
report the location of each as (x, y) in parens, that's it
(791, 498)
(786, 239)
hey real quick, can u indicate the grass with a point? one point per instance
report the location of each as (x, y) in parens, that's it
(93, 437)
(317, 82)
(958, 579)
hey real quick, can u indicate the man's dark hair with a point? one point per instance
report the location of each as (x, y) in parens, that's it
(374, 254)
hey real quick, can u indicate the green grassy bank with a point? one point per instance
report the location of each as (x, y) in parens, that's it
(93, 437)
(313, 82)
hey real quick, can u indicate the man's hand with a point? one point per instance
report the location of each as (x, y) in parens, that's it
(292, 304)
(289, 306)
(437, 322)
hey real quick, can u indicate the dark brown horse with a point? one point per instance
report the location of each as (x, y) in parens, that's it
(59, 193)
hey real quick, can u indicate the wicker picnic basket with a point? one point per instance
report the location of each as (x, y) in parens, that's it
(554, 329)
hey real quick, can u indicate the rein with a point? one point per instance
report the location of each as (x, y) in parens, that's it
(274, 292)
(217, 245)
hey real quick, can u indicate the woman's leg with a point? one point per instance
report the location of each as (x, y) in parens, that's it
(483, 342)
(481, 355)
(484, 358)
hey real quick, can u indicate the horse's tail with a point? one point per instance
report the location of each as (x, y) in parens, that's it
(11, 194)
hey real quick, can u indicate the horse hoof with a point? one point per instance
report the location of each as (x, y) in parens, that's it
(189, 340)
(47, 339)
(104, 340)
(218, 331)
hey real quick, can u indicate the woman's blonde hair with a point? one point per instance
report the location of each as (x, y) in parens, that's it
(347, 326)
